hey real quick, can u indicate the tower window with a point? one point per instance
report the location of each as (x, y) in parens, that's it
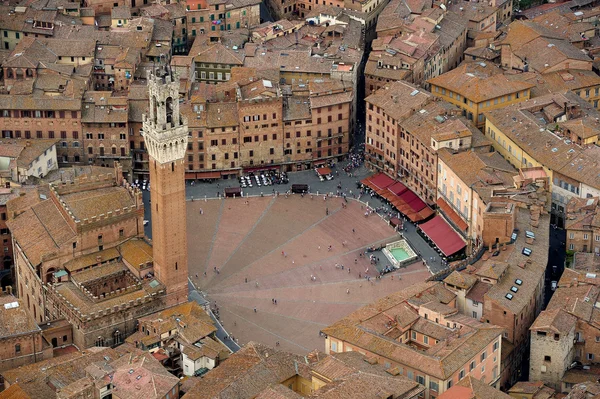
(175, 265)
(172, 166)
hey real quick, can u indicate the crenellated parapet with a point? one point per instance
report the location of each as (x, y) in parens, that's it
(164, 129)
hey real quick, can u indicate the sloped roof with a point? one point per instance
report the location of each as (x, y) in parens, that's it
(479, 82)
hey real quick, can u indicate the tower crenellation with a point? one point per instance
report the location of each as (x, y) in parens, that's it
(164, 128)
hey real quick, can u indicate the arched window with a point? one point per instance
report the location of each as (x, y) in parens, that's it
(100, 341)
(117, 336)
(169, 105)
(49, 274)
(154, 108)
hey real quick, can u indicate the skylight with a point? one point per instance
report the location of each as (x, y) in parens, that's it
(514, 289)
(526, 251)
(509, 296)
(518, 282)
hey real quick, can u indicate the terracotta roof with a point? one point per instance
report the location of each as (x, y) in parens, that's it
(81, 262)
(472, 388)
(369, 386)
(440, 361)
(60, 371)
(189, 319)
(296, 107)
(517, 266)
(477, 293)
(476, 169)
(15, 392)
(554, 320)
(149, 379)
(526, 125)
(479, 82)
(246, 373)
(219, 54)
(15, 319)
(95, 202)
(40, 231)
(136, 252)
(396, 99)
(331, 99)
(473, 11)
(29, 149)
(526, 387)
(586, 262)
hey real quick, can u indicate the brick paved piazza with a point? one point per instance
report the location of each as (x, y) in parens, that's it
(246, 241)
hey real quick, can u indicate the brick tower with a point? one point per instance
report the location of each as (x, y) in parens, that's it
(165, 132)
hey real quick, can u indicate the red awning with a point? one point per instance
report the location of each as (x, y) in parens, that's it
(397, 188)
(451, 214)
(381, 181)
(323, 171)
(443, 236)
(190, 175)
(208, 175)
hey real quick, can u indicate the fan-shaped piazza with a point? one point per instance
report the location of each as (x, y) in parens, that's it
(267, 248)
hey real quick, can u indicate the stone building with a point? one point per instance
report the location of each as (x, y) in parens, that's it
(21, 340)
(466, 181)
(549, 134)
(204, 17)
(186, 335)
(27, 160)
(254, 123)
(120, 373)
(414, 47)
(85, 259)
(478, 87)
(583, 225)
(419, 334)
(552, 350)
(104, 118)
(506, 286)
(405, 129)
(257, 371)
(565, 339)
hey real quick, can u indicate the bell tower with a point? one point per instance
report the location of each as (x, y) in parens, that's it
(165, 132)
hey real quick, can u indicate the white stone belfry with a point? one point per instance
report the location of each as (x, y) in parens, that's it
(165, 130)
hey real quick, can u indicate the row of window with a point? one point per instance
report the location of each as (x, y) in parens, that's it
(585, 236)
(36, 114)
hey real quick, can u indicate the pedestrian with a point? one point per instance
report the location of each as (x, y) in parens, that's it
(355, 261)
(348, 270)
(254, 309)
(273, 301)
(348, 291)
(359, 275)
(354, 231)
(196, 275)
(246, 280)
